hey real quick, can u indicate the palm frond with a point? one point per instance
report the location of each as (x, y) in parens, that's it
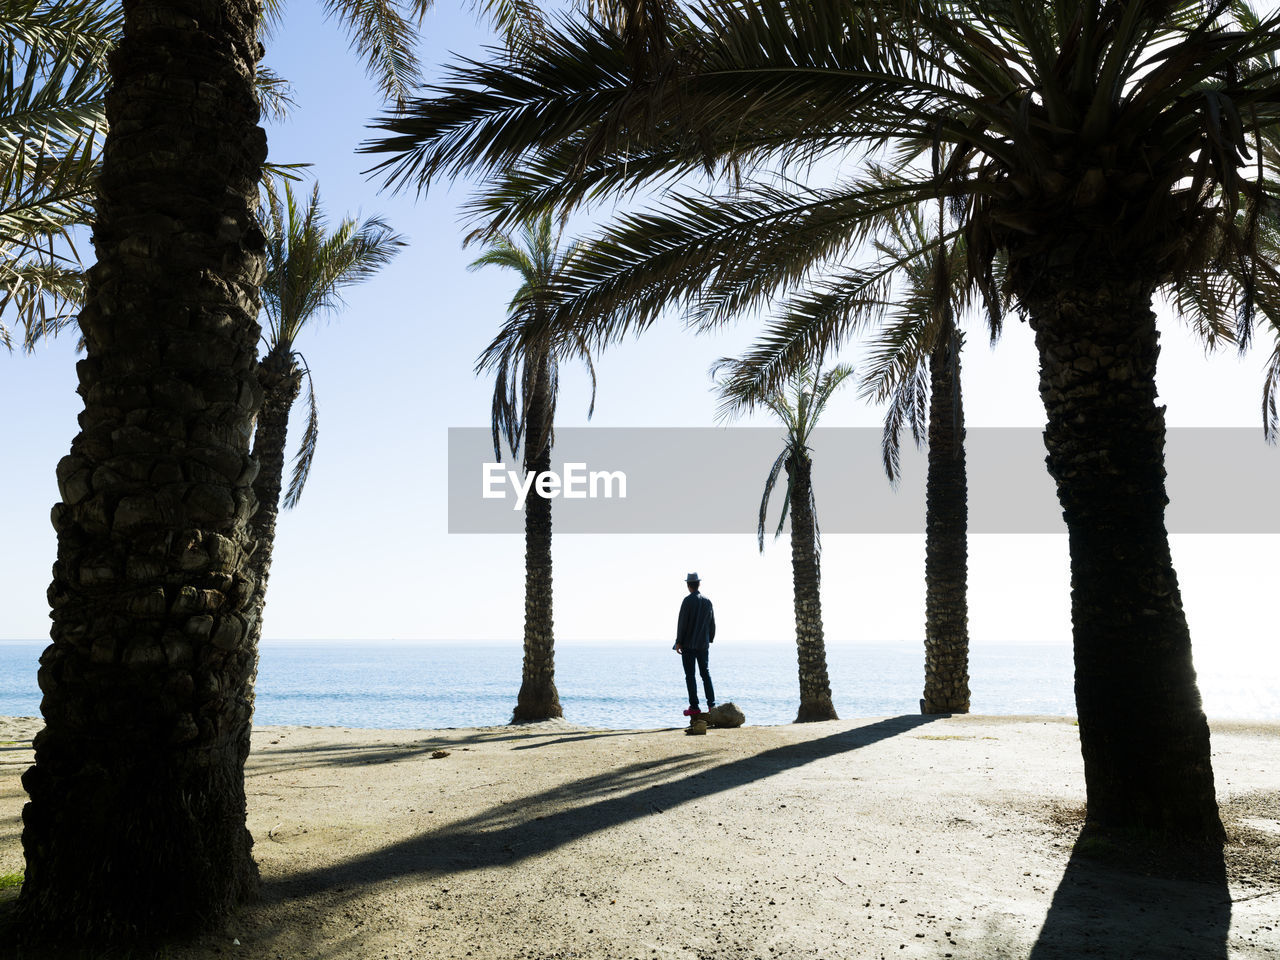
(574, 95)
(908, 407)
(275, 175)
(46, 297)
(518, 22)
(1047, 134)
(309, 265)
(1270, 393)
(714, 257)
(826, 385)
(769, 482)
(383, 37)
(275, 94)
(52, 122)
(1208, 301)
(307, 448)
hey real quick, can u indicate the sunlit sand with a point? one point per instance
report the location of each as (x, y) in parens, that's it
(899, 837)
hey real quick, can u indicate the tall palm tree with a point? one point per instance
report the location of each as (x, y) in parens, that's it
(308, 267)
(136, 822)
(798, 408)
(914, 366)
(136, 819)
(1099, 147)
(526, 384)
(51, 127)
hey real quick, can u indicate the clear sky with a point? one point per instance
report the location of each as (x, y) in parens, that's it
(367, 555)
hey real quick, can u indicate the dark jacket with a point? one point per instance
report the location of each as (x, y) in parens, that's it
(697, 625)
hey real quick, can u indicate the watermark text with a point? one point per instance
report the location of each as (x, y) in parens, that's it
(575, 483)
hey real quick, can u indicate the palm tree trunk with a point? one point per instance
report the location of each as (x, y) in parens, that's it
(946, 570)
(136, 822)
(811, 652)
(281, 381)
(1142, 729)
(538, 698)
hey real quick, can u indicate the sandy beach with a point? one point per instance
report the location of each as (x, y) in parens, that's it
(901, 837)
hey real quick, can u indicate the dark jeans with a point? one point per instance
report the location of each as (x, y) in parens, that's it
(690, 657)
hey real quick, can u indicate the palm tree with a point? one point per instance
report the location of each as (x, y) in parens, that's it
(914, 366)
(1098, 147)
(946, 569)
(526, 384)
(51, 127)
(308, 267)
(136, 819)
(799, 409)
(136, 822)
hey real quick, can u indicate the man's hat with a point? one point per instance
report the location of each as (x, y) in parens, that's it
(692, 578)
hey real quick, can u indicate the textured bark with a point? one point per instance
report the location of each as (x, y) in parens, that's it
(538, 698)
(281, 381)
(136, 820)
(1143, 732)
(811, 652)
(946, 570)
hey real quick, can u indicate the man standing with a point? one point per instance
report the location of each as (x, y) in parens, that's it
(695, 630)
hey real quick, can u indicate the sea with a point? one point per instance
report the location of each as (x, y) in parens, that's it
(440, 684)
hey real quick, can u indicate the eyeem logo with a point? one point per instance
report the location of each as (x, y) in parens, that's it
(576, 483)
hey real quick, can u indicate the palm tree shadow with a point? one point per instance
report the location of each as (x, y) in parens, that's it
(593, 735)
(275, 758)
(535, 824)
(1104, 908)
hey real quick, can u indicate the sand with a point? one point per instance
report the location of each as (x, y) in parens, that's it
(902, 837)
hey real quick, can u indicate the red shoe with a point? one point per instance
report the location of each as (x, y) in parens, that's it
(692, 712)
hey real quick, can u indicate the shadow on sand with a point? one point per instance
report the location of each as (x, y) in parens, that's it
(276, 756)
(1102, 909)
(592, 735)
(507, 833)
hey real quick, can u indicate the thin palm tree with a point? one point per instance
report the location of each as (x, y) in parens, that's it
(916, 291)
(798, 407)
(308, 267)
(1099, 148)
(526, 384)
(914, 367)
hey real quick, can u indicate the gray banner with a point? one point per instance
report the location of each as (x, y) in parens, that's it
(710, 480)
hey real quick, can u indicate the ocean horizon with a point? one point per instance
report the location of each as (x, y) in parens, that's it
(437, 684)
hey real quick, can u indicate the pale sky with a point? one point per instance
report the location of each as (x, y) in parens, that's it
(366, 554)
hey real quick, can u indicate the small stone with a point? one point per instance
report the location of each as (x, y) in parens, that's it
(725, 715)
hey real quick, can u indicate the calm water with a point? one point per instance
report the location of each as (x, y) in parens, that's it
(438, 684)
